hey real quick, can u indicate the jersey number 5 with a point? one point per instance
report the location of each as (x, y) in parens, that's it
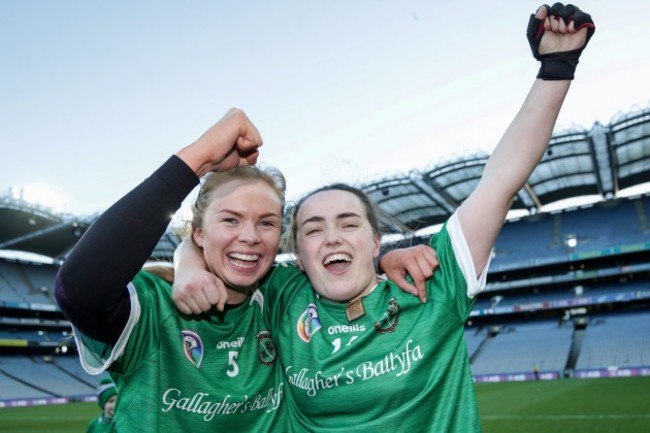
(232, 363)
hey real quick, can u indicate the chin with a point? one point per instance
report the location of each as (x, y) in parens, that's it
(242, 285)
(340, 296)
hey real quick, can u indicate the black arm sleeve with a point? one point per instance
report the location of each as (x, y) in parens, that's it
(91, 286)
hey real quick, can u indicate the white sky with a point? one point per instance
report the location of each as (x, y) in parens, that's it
(95, 95)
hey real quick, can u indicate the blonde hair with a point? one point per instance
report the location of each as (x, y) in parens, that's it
(164, 270)
(269, 175)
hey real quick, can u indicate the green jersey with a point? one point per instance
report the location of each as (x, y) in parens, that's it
(402, 366)
(210, 373)
(101, 424)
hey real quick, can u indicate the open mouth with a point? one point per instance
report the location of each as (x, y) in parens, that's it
(337, 263)
(245, 261)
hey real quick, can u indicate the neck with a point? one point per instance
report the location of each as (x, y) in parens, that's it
(237, 296)
(366, 292)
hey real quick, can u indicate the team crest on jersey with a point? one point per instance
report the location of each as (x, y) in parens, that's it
(266, 350)
(308, 323)
(389, 319)
(193, 347)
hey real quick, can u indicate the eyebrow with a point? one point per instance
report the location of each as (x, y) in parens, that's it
(340, 216)
(239, 214)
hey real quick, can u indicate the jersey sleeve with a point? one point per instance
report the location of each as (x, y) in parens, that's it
(140, 335)
(90, 287)
(454, 283)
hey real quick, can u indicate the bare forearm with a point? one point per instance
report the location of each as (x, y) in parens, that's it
(526, 139)
(187, 258)
(509, 167)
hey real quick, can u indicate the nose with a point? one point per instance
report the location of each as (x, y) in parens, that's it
(332, 237)
(249, 234)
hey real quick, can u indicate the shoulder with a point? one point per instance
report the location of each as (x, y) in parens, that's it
(151, 283)
(283, 272)
(153, 295)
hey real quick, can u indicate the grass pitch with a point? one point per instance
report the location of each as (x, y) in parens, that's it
(58, 418)
(570, 405)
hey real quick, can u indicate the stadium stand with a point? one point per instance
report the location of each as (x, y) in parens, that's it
(518, 347)
(616, 340)
(568, 290)
(38, 360)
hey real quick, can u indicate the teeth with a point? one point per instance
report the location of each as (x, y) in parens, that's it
(337, 257)
(245, 257)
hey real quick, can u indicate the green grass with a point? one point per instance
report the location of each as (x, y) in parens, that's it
(576, 406)
(571, 405)
(59, 418)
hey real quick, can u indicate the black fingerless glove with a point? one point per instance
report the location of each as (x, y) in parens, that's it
(560, 65)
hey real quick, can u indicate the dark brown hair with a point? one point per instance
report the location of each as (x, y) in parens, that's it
(371, 211)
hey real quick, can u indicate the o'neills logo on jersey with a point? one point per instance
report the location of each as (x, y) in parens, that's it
(389, 319)
(308, 323)
(193, 347)
(345, 329)
(266, 350)
(234, 344)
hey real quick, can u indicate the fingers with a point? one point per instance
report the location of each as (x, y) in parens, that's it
(422, 269)
(249, 137)
(563, 19)
(216, 294)
(419, 262)
(582, 20)
(557, 36)
(186, 305)
(200, 302)
(248, 142)
(558, 25)
(403, 284)
(183, 307)
(563, 11)
(395, 264)
(542, 12)
(420, 273)
(200, 294)
(419, 281)
(431, 260)
(418, 268)
(248, 158)
(231, 142)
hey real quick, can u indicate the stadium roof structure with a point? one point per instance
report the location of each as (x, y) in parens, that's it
(37, 229)
(601, 161)
(34, 229)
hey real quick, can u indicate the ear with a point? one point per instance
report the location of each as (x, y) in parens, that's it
(375, 252)
(197, 235)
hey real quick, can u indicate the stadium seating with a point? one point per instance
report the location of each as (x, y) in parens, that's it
(42, 376)
(561, 307)
(518, 347)
(616, 341)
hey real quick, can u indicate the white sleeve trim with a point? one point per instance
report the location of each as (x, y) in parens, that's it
(475, 285)
(120, 345)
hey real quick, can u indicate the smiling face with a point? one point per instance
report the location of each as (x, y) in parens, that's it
(336, 245)
(240, 233)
